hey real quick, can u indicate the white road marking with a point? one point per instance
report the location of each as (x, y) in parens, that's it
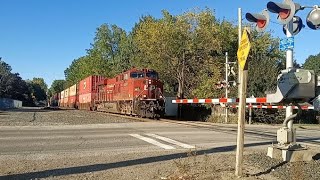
(171, 141)
(151, 141)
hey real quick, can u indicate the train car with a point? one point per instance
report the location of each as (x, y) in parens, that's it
(54, 100)
(61, 101)
(72, 99)
(66, 98)
(134, 92)
(87, 91)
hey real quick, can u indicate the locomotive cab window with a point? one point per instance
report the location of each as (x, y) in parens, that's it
(152, 74)
(137, 75)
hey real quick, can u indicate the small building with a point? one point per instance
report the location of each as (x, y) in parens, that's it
(6, 103)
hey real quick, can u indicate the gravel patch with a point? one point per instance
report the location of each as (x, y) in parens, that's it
(46, 117)
(142, 166)
(285, 170)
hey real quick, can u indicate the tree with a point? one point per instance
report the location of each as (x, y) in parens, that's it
(265, 62)
(57, 86)
(12, 86)
(186, 49)
(38, 89)
(110, 54)
(313, 63)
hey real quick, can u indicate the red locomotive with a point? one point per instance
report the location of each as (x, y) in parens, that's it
(134, 92)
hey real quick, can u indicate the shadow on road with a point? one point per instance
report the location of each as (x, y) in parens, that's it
(35, 109)
(107, 166)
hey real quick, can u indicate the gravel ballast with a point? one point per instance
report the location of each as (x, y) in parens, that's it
(47, 117)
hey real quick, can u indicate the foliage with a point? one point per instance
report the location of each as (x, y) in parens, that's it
(265, 62)
(12, 86)
(313, 63)
(38, 89)
(109, 54)
(182, 48)
(57, 86)
(187, 50)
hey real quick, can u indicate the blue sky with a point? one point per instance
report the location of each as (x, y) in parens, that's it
(40, 38)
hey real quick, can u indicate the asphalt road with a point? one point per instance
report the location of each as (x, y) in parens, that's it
(135, 136)
(121, 150)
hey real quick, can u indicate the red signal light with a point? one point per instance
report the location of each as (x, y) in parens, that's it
(261, 23)
(284, 13)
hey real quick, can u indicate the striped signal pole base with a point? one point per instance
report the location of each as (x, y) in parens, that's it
(217, 101)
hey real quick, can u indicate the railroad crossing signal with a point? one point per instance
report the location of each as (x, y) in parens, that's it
(261, 20)
(244, 49)
(313, 18)
(285, 10)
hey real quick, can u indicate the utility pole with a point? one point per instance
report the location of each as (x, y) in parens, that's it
(239, 41)
(289, 64)
(227, 84)
(242, 54)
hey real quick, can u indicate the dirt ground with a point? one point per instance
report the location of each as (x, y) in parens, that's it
(96, 165)
(129, 166)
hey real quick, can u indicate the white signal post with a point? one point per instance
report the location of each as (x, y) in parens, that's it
(239, 41)
(289, 64)
(227, 83)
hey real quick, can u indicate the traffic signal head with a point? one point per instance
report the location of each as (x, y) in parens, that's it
(313, 18)
(261, 20)
(297, 25)
(285, 10)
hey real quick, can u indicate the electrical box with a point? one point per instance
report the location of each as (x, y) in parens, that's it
(285, 135)
(316, 103)
(294, 85)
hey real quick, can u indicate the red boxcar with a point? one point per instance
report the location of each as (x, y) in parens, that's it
(72, 99)
(66, 98)
(87, 91)
(61, 101)
(54, 100)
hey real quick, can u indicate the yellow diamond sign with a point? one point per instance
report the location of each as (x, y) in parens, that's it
(244, 49)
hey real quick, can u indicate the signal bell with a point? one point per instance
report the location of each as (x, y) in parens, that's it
(313, 18)
(285, 10)
(262, 20)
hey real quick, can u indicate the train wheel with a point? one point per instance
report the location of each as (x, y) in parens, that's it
(143, 109)
(151, 110)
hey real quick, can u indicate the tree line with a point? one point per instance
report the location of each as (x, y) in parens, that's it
(187, 50)
(12, 86)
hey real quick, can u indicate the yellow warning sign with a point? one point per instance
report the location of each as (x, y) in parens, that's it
(244, 49)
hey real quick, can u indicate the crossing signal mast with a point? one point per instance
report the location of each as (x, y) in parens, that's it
(294, 85)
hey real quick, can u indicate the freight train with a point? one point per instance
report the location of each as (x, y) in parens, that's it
(134, 92)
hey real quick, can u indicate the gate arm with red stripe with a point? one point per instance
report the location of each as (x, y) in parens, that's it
(218, 100)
